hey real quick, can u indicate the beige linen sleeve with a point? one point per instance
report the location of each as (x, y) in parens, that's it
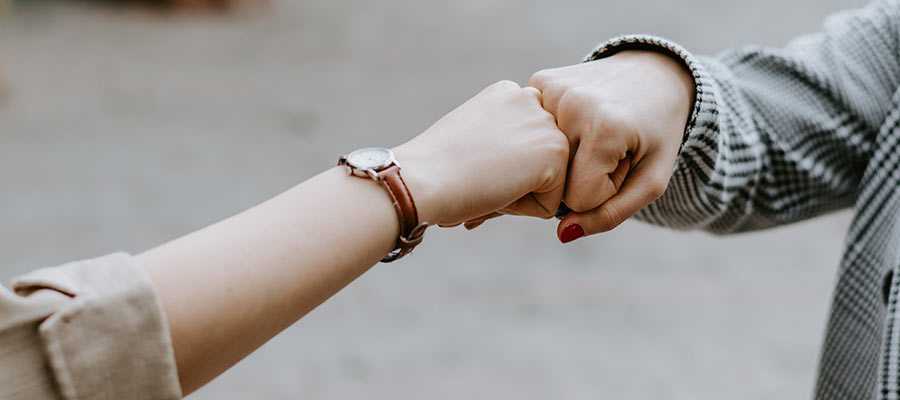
(86, 330)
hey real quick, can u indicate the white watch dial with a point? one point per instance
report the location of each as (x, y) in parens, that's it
(375, 158)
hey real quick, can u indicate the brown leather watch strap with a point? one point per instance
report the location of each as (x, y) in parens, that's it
(411, 231)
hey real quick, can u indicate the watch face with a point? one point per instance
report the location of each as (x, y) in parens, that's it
(375, 158)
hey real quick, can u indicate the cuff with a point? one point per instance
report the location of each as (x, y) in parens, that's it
(704, 109)
(110, 340)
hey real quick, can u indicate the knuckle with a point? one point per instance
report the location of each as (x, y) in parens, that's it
(542, 116)
(505, 85)
(531, 92)
(541, 78)
(531, 98)
(609, 219)
(607, 119)
(579, 109)
(572, 111)
(595, 106)
(555, 172)
(577, 98)
(557, 145)
(560, 148)
(577, 203)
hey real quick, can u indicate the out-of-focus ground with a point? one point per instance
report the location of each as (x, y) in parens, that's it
(124, 129)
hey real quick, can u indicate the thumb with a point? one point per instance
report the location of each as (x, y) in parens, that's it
(646, 183)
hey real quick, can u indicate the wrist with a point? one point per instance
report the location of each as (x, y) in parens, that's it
(691, 76)
(678, 74)
(414, 168)
(676, 90)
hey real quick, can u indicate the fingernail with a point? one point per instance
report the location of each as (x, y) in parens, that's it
(571, 233)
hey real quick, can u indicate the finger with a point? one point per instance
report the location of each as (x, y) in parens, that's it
(478, 221)
(535, 95)
(529, 206)
(484, 217)
(533, 91)
(595, 174)
(621, 172)
(647, 181)
(551, 199)
(504, 86)
(472, 225)
(544, 201)
(618, 178)
(551, 89)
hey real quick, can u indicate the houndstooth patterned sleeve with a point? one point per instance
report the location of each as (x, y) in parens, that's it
(779, 135)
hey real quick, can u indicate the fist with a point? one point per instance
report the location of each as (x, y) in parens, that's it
(624, 117)
(499, 150)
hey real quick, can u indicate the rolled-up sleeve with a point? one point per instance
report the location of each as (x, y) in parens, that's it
(91, 329)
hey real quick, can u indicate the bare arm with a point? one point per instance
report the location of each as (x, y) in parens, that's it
(229, 288)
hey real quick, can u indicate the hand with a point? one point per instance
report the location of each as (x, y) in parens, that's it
(624, 117)
(499, 150)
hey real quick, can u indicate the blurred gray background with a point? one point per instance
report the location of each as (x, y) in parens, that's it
(122, 129)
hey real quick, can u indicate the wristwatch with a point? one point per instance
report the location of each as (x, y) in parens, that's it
(379, 164)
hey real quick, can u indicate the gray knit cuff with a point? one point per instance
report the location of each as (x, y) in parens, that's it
(704, 107)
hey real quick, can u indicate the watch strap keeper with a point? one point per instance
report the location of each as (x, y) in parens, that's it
(411, 230)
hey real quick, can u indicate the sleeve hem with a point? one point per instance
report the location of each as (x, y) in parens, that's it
(111, 338)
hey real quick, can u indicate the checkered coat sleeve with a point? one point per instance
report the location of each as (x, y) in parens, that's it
(780, 135)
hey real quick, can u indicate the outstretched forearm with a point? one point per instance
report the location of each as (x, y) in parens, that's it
(230, 287)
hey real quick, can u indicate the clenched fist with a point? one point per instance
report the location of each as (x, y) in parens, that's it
(624, 117)
(499, 150)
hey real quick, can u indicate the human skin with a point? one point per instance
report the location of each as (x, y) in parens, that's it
(624, 117)
(232, 286)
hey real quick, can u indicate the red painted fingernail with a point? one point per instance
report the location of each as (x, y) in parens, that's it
(571, 233)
